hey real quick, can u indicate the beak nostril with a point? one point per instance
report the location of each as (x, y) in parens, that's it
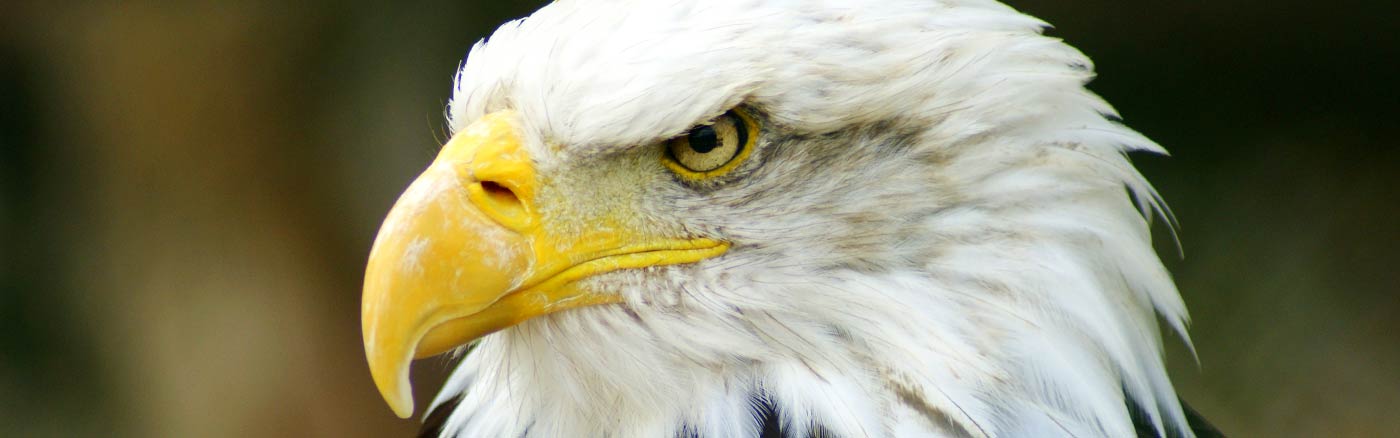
(498, 193)
(501, 203)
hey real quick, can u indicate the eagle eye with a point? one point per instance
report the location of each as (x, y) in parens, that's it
(711, 149)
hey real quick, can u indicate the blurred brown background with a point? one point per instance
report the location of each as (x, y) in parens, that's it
(188, 191)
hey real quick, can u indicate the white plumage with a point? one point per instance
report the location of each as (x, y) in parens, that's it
(934, 239)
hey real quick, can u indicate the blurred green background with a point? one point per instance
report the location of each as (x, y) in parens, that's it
(189, 191)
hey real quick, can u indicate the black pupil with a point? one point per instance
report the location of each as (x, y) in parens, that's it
(703, 139)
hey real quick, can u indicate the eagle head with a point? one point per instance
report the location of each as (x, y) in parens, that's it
(730, 218)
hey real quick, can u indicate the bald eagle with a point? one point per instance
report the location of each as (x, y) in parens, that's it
(779, 218)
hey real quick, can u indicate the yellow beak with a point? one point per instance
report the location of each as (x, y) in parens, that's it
(466, 252)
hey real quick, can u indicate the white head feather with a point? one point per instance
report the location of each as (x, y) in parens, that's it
(936, 240)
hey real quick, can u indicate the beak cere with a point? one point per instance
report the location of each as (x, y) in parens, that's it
(464, 253)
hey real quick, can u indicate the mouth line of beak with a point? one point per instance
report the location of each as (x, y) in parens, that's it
(544, 294)
(668, 252)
